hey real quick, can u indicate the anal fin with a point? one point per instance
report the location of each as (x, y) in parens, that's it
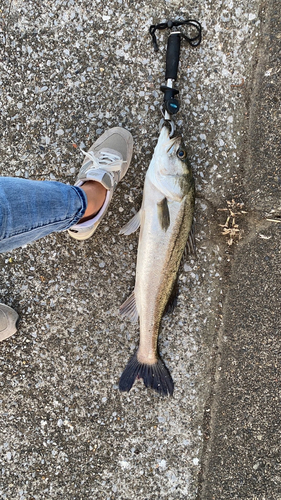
(129, 308)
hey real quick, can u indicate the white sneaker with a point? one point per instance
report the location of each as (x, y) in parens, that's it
(8, 321)
(107, 161)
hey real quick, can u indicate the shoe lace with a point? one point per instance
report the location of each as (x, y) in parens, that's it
(106, 160)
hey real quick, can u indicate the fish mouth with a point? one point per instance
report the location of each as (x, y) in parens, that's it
(166, 142)
(173, 141)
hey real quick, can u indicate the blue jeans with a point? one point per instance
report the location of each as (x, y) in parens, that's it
(30, 210)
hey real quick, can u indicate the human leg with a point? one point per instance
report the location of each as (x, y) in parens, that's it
(30, 210)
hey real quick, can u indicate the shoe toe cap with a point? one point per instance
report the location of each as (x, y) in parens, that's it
(8, 320)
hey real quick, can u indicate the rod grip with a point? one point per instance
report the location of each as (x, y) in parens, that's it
(173, 56)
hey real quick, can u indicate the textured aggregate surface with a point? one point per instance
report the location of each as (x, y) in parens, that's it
(69, 71)
(242, 458)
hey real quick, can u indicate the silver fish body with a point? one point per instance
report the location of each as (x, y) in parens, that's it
(165, 221)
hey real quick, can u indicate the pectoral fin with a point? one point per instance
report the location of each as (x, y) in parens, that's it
(163, 214)
(132, 225)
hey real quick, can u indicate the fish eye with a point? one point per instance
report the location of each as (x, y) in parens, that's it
(181, 154)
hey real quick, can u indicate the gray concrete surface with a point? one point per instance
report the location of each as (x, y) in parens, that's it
(70, 70)
(243, 456)
(242, 459)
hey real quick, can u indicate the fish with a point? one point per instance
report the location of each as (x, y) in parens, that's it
(165, 220)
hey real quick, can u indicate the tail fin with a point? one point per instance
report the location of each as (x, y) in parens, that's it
(156, 376)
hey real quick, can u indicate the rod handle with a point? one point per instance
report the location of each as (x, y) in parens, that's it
(173, 56)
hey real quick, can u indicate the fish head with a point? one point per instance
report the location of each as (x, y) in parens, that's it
(171, 154)
(170, 170)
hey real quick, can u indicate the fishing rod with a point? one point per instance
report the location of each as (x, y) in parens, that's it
(171, 103)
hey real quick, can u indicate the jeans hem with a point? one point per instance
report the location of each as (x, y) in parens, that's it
(83, 198)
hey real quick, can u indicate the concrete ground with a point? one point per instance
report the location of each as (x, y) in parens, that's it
(70, 70)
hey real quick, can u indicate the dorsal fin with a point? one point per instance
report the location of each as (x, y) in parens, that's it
(190, 247)
(191, 244)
